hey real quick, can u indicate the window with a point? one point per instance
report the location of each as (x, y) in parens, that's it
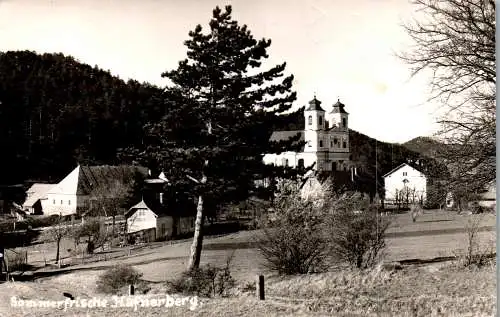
(310, 120)
(334, 166)
(335, 141)
(284, 162)
(301, 163)
(53, 202)
(405, 173)
(344, 144)
(320, 120)
(344, 122)
(61, 202)
(309, 144)
(69, 202)
(331, 143)
(320, 143)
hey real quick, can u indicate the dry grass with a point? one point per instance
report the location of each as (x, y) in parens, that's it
(435, 291)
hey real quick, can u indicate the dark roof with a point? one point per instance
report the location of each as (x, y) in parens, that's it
(338, 107)
(186, 209)
(314, 105)
(277, 136)
(91, 177)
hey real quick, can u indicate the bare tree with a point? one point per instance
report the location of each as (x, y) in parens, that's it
(56, 233)
(455, 41)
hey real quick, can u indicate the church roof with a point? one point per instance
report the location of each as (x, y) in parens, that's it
(338, 107)
(286, 135)
(314, 105)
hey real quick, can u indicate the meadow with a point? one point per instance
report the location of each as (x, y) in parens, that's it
(440, 289)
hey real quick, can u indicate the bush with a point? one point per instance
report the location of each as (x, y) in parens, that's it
(206, 281)
(475, 253)
(16, 260)
(116, 278)
(292, 242)
(358, 239)
(95, 232)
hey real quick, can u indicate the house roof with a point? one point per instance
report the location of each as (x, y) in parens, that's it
(84, 179)
(314, 105)
(37, 192)
(338, 107)
(163, 209)
(399, 167)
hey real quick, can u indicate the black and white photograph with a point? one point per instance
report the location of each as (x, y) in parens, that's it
(248, 158)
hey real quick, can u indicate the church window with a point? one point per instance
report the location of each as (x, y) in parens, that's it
(344, 144)
(335, 141)
(320, 120)
(301, 163)
(320, 143)
(310, 120)
(344, 122)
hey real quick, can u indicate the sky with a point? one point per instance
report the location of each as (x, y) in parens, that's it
(335, 49)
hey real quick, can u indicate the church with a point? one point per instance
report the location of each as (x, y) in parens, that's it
(326, 136)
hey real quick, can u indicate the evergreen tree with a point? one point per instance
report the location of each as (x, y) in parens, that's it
(220, 110)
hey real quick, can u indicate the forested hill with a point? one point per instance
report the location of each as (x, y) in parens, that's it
(425, 146)
(56, 111)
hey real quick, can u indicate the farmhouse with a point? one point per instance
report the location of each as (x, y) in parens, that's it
(154, 220)
(326, 137)
(75, 193)
(36, 198)
(405, 184)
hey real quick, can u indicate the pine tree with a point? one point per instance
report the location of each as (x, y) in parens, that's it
(220, 111)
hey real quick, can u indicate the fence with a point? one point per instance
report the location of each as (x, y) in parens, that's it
(15, 260)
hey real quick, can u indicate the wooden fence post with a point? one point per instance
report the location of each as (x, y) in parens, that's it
(131, 289)
(260, 287)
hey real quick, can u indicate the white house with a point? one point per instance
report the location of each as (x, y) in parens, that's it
(405, 184)
(154, 221)
(326, 136)
(73, 194)
(36, 198)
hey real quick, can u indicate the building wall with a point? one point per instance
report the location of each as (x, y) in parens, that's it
(164, 227)
(186, 225)
(394, 182)
(65, 204)
(140, 221)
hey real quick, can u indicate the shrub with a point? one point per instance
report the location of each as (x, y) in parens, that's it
(292, 242)
(16, 260)
(206, 281)
(357, 238)
(415, 211)
(475, 254)
(94, 231)
(116, 278)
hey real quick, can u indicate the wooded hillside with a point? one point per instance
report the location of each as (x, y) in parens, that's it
(56, 111)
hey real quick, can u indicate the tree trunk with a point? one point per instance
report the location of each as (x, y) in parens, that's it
(197, 245)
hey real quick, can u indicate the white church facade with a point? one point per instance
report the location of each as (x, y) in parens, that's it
(326, 136)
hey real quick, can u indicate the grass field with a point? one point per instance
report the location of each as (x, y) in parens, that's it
(413, 291)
